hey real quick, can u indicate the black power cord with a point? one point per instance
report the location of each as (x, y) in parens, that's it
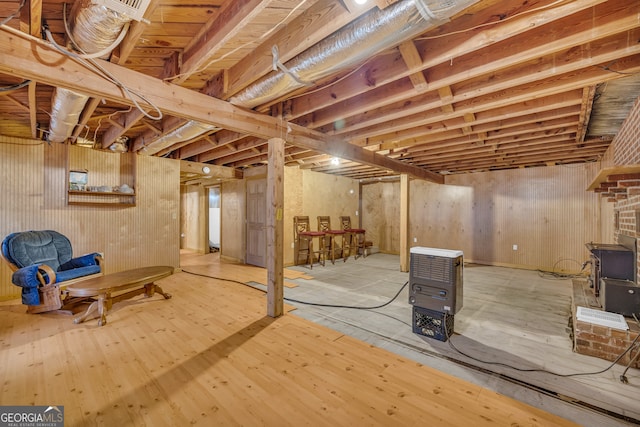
(317, 304)
(453, 347)
(576, 374)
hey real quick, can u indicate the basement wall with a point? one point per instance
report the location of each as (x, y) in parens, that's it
(193, 202)
(625, 150)
(305, 193)
(32, 197)
(545, 211)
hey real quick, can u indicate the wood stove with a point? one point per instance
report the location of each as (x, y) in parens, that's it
(611, 261)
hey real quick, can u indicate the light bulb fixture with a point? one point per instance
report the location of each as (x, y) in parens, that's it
(206, 169)
(335, 161)
(360, 1)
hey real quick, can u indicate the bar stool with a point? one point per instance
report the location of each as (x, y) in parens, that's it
(357, 236)
(303, 242)
(324, 225)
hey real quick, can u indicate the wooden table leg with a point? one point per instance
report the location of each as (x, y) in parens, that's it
(83, 316)
(102, 312)
(152, 288)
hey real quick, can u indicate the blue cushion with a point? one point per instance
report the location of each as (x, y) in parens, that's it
(81, 261)
(39, 247)
(27, 279)
(5, 247)
(61, 276)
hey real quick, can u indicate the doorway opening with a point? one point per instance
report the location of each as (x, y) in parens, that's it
(214, 218)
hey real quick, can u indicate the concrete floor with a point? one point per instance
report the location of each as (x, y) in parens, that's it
(510, 316)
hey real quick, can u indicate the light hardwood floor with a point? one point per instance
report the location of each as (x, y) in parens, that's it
(209, 356)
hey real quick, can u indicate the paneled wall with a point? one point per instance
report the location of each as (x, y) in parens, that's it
(232, 220)
(293, 205)
(331, 195)
(32, 191)
(381, 215)
(545, 211)
(191, 235)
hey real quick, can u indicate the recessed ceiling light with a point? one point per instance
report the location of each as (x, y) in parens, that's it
(360, 1)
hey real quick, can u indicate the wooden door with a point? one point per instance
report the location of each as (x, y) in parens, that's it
(256, 222)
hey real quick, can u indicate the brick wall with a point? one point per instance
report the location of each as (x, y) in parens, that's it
(626, 144)
(594, 340)
(605, 343)
(625, 149)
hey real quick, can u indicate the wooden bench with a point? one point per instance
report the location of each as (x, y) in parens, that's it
(103, 287)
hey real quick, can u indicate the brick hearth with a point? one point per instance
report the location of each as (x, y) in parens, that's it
(599, 341)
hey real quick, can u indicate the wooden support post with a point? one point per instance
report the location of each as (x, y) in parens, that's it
(275, 205)
(404, 222)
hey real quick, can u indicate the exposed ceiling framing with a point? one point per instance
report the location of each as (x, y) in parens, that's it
(502, 84)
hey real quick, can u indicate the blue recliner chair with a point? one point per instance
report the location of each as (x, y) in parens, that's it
(42, 261)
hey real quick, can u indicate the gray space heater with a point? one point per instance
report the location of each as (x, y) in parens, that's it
(435, 279)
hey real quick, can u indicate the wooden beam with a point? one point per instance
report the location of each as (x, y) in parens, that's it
(87, 112)
(459, 45)
(31, 21)
(536, 109)
(585, 112)
(275, 228)
(122, 53)
(321, 20)
(233, 16)
(404, 223)
(18, 103)
(515, 86)
(303, 137)
(123, 123)
(411, 57)
(215, 171)
(35, 59)
(33, 110)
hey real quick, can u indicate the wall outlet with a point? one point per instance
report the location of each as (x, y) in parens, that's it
(356, 213)
(292, 245)
(515, 247)
(415, 240)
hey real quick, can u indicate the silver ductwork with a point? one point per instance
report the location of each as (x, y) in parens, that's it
(187, 131)
(372, 33)
(94, 28)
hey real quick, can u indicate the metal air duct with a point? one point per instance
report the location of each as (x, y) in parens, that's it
(372, 33)
(94, 28)
(187, 131)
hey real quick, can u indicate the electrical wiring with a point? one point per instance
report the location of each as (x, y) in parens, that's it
(562, 276)
(94, 66)
(506, 365)
(14, 14)
(262, 37)
(88, 61)
(308, 302)
(317, 304)
(15, 86)
(487, 24)
(449, 340)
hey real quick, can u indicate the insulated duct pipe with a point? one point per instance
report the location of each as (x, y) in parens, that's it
(187, 131)
(372, 33)
(94, 28)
